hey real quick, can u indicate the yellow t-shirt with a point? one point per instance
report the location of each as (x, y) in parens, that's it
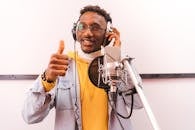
(94, 102)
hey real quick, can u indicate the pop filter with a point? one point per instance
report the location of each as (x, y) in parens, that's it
(94, 73)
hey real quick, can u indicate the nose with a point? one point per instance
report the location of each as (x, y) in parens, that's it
(88, 32)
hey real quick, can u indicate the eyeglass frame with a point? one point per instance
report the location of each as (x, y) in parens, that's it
(93, 27)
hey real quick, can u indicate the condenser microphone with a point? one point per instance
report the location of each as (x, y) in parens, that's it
(103, 70)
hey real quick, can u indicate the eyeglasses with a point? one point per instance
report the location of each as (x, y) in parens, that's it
(82, 27)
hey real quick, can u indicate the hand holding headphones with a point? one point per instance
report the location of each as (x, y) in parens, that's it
(114, 34)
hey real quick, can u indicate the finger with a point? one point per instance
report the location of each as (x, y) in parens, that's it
(117, 44)
(58, 67)
(55, 72)
(59, 62)
(61, 47)
(116, 31)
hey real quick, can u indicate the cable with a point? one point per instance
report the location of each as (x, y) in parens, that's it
(112, 104)
(131, 108)
(127, 93)
(75, 79)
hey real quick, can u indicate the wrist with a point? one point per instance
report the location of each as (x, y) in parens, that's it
(48, 86)
(45, 78)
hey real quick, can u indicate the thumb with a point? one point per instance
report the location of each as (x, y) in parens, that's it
(61, 47)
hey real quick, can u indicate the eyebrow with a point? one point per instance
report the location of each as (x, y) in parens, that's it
(92, 23)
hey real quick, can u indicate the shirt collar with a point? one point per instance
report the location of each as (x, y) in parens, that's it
(88, 56)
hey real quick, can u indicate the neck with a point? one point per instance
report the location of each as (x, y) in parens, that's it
(89, 56)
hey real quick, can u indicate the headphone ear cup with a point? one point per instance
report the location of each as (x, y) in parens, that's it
(108, 29)
(74, 31)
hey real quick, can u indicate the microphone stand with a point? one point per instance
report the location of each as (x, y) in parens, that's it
(136, 82)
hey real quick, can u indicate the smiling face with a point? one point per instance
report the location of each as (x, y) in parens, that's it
(91, 31)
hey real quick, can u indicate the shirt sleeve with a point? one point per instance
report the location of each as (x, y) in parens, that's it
(48, 86)
(128, 91)
(38, 102)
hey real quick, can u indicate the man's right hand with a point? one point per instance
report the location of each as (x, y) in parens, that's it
(58, 64)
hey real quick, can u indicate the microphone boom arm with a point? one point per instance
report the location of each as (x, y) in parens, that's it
(138, 85)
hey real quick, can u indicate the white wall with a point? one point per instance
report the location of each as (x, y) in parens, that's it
(11, 98)
(171, 101)
(158, 33)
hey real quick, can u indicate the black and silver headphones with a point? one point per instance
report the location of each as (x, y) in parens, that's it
(74, 30)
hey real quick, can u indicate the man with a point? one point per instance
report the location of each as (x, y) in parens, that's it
(66, 86)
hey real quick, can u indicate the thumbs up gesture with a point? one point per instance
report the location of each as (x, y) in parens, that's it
(58, 64)
(61, 47)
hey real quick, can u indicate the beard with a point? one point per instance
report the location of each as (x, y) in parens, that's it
(90, 46)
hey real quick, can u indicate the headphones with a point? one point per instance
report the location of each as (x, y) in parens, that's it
(74, 29)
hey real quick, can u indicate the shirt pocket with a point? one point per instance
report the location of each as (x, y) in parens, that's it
(63, 96)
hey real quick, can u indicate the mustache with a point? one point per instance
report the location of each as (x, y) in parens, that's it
(91, 39)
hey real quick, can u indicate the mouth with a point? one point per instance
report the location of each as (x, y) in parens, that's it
(87, 42)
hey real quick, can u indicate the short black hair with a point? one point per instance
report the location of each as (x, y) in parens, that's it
(96, 9)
